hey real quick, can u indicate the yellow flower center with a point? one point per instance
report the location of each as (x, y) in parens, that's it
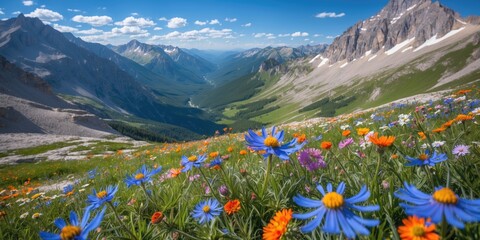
(192, 158)
(70, 232)
(332, 200)
(102, 194)
(445, 195)
(271, 142)
(423, 157)
(418, 231)
(139, 176)
(206, 209)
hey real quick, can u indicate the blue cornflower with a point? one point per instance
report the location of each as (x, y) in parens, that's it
(92, 173)
(206, 211)
(97, 199)
(76, 230)
(68, 189)
(142, 176)
(192, 161)
(442, 204)
(337, 212)
(215, 163)
(271, 143)
(426, 159)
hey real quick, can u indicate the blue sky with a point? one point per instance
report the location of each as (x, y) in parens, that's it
(208, 24)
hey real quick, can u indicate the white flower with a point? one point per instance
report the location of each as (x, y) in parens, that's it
(365, 144)
(85, 185)
(403, 119)
(358, 123)
(424, 146)
(368, 135)
(438, 144)
(459, 99)
(372, 116)
(476, 111)
(383, 128)
(344, 127)
(24, 215)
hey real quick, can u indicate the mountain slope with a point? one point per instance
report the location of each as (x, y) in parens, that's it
(75, 71)
(29, 106)
(169, 62)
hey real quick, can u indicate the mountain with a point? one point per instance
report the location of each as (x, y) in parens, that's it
(410, 47)
(29, 106)
(249, 61)
(168, 61)
(75, 71)
(167, 91)
(214, 56)
(399, 22)
(243, 74)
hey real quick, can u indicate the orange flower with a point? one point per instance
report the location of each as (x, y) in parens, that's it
(214, 154)
(463, 118)
(174, 172)
(230, 149)
(439, 130)
(243, 152)
(464, 91)
(394, 156)
(232, 206)
(326, 145)
(362, 131)
(301, 138)
(278, 225)
(422, 135)
(415, 228)
(448, 124)
(346, 133)
(157, 217)
(383, 141)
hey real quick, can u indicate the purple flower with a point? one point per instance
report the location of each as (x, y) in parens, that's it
(223, 190)
(311, 159)
(345, 143)
(460, 150)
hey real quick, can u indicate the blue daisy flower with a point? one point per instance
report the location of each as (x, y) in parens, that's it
(215, 163)
(206, 211)
(426, 159)
(97, 199)
(337, 212)
(271, 143)
(142, 176)
(68, 189)
(76, 230)
(192, 161)
(443, 203)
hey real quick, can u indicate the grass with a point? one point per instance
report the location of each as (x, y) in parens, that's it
(382, 171)
(40, 149)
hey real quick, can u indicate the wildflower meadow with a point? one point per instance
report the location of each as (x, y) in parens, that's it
(402, 171)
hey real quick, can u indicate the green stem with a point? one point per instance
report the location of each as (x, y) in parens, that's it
(208, 183)
(148, 196)
(120, 220)
(267, 174)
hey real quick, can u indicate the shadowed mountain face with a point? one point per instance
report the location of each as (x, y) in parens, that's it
(398, 21)
(74, 70)
(168, 61)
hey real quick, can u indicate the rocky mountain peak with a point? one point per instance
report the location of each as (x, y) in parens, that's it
(399, 21)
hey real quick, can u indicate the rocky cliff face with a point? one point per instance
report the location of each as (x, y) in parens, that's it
(400, 20)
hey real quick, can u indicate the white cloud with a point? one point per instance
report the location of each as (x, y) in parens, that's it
(132, 21)
(90, 31)
(129, 30)
(247, 25)
(284, 35)
(329, 37)
(134, 14)
(73, 10)
(329, 15)
(299, 34)
(163, 19)
(230, 19)
(27, 3)
(157, 28)
(45, 15)
(200, 23)
(1, 11)
(267, 35)
(43, 6)
(202, 34)
(177, 22)
(214, 21)
(16, 13)
(95, 21)
(62, 28)
(317, 35)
